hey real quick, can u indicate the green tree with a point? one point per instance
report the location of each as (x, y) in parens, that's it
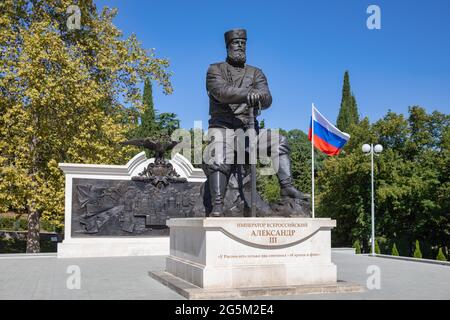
(348, 112)
(63, 97)
(300, 165)
(417, 252)
(441, 256)
(411, 181)
(168, 122)
(394, 251)
(269, 188)
(262, 124)
(301, 159)
(343, 190)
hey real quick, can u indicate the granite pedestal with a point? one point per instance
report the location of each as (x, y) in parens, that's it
(262, 254)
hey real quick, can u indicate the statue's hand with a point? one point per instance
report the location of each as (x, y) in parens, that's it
(253, 99)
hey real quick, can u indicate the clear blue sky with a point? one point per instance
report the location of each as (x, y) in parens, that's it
(303, 47)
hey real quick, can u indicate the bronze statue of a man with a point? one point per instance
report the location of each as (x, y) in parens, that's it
(233, 86)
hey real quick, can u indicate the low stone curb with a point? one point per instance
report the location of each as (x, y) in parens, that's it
(344, 250)
(444, 263)
(27, 255)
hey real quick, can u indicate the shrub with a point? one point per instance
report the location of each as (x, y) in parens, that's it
(12, 245)
(377, 247)
(21, 224)
(441, 256)
(357, 247)
(12, 223)
(20, 245)
(394, 251)
(417, 252)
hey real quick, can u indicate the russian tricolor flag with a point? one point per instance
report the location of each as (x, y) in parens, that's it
(327, 138)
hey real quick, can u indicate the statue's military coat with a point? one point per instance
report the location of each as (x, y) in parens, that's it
(228, 87)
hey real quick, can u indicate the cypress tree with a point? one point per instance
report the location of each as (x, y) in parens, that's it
(377, 247)
(147, 124)
(348, 112)
(394, 251)
(417, 252)
(441, 256)
(354, 114)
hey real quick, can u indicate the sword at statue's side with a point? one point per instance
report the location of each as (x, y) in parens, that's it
(253, 165)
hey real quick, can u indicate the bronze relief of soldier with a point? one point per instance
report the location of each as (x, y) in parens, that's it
(233, 86)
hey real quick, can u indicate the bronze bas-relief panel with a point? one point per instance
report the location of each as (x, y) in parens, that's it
(130, 208)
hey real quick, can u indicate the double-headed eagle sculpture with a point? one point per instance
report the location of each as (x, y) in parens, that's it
(161, 172)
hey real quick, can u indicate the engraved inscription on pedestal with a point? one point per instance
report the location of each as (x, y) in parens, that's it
(271, 234)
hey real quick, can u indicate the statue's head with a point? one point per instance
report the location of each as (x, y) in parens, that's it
(236, 41)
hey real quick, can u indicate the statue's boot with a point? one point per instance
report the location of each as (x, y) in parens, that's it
(285, 179)
(217, 186)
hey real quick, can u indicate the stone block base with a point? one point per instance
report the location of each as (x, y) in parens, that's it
(190, 291)
(251, 275)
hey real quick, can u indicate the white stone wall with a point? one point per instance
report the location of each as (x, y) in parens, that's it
(116, 246)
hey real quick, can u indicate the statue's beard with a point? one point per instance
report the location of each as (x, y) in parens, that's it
(236, 58)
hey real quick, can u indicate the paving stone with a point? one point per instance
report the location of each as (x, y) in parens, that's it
(127, 278)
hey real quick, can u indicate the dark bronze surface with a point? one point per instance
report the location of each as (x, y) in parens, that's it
(130, 208)
(235, 89)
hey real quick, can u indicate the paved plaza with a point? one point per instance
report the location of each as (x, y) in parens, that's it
(46, 277)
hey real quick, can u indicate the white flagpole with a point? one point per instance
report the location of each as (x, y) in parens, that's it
(312, 160)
